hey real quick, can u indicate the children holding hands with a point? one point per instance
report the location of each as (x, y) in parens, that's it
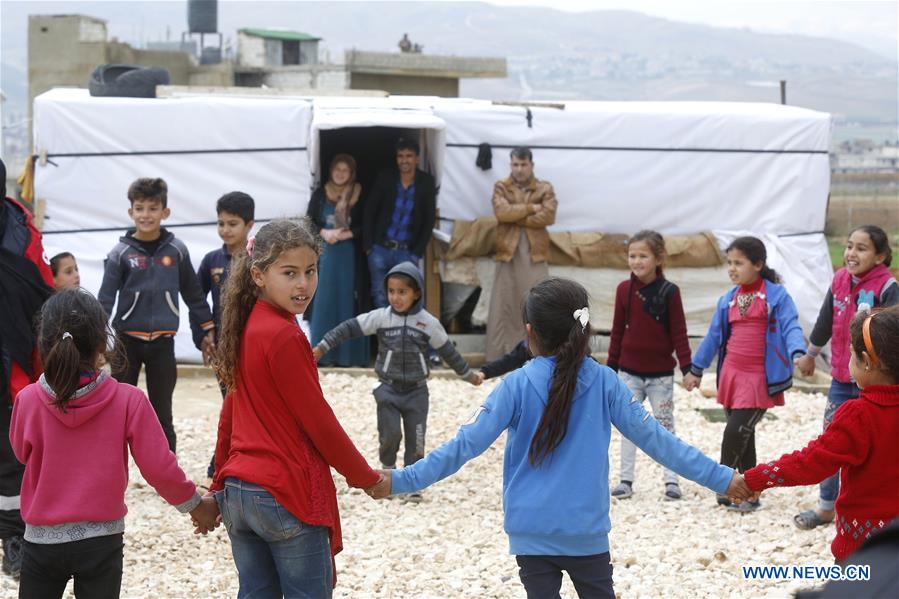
(859, 445)
(863, 283)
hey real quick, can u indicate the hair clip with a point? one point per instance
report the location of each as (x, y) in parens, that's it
(67, 335)
(251, 243)
(583, 317)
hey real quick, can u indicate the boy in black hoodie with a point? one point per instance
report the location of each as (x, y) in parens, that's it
(148, 269)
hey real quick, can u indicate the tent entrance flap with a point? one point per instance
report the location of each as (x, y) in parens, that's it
(369, 135)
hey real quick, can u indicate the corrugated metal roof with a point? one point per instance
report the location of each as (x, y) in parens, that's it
(280, 34)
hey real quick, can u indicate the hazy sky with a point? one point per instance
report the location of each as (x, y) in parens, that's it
(873, 24)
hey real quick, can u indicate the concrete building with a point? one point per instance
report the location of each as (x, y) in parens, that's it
(284, 59)
(417, 74)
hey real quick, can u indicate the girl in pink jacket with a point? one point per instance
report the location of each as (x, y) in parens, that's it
(73, 429)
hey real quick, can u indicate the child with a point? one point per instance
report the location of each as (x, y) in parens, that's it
(235, 212)
(405, 333)
(73, 430)
(558, 411)
(864, 282)
(277, 434)
(859, 444)
(65, 271)
(755, 333)
(148, 268)
(648, 326)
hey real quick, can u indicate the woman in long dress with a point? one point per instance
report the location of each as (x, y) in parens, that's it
(336, 210)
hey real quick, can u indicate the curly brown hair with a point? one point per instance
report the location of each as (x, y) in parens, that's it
(240, 292)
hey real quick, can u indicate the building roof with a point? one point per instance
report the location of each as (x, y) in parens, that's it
(280, 34)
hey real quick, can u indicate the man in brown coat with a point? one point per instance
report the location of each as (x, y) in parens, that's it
(524, 207)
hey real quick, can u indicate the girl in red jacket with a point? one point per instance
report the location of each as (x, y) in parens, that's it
(648, 327)
(278, 438)
(859, 444)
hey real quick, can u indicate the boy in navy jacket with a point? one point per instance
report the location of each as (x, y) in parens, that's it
(148, 269)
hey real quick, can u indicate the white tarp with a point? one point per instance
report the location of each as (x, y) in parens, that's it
(676, 167)
(202, 146)
(616, 166)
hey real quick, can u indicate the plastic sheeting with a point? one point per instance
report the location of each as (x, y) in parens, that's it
(673, 166)
(616, 166)
(202, 146)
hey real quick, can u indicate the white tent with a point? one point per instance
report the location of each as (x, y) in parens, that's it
(616, 166)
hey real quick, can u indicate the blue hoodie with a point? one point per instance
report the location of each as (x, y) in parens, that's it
(561, 507)
(783, 339)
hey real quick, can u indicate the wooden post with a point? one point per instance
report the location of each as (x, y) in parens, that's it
(432, 278)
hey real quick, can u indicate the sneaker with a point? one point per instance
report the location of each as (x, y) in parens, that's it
(745, 507)
(414, 497)
(623, 490)
(672, 492)
(722, 500)
(12, 556)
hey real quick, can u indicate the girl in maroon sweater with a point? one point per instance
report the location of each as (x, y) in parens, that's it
(859, 444)
(648, 326)
(278, 437)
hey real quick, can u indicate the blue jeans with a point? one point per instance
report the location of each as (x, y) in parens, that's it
(276, 555)
(839, 394)
(380, 261)
(660, 393)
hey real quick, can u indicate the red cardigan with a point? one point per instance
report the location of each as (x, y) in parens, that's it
(639, 343)
(278, 431)
(861, 442)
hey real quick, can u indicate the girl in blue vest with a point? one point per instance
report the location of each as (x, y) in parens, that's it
(559, 410)
(756, 336)
(863, 283)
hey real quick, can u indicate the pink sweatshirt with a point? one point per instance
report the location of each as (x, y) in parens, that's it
(76, 462)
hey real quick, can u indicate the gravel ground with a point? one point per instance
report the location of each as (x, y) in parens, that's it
(453, 544)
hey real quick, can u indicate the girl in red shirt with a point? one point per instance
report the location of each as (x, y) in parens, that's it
(278, 437)
(859, 444)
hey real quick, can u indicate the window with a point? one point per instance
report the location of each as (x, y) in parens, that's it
(290, 53)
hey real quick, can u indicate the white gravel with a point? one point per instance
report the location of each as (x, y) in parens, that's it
(453, 544)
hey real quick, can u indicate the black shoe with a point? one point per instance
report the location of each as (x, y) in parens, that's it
(12, 556)
(722, 499)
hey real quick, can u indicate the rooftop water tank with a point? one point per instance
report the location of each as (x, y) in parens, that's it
(202, 16)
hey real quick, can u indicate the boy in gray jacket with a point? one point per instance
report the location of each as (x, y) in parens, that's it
(405, 332)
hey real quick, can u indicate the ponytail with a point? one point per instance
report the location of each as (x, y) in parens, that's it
(74, 331)
(62, 367)
(240, 291)
(549, 310)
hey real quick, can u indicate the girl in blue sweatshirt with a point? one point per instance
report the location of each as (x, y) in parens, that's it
(559, 410)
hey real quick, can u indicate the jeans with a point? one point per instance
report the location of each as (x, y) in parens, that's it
(95, 563)
(541, 575)
(276, 555)
(660, 392)
(380, 261)
(162, 372)
(839, 394)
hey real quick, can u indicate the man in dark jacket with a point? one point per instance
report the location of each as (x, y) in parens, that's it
(399, 215)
